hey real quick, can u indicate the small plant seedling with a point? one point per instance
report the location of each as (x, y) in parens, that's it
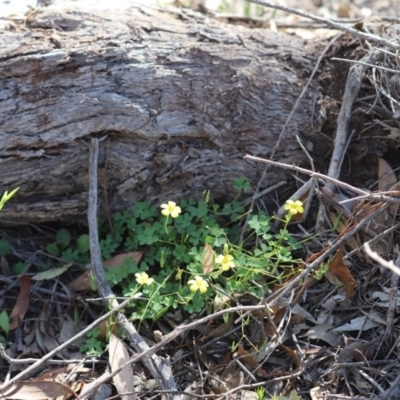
(93, 345)
(6, 196)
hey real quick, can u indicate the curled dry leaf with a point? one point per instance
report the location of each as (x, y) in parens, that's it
(342, 273)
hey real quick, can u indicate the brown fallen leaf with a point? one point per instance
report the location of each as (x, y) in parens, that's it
(123, 380)
(37, 390)
(82, 282)
(249, 359)
(22, 304)
(342, 273)
(105, 327)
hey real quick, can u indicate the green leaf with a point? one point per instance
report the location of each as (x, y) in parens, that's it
(160, 313)
(70, 255)
(63, 237)
(50, 273)
(220, 241)
(200, 211)
(4, 322)
(5, 248)
(145, 211)
(19, 267)
(83, 243)
(6, 196)
(53, 249)
(241, 184)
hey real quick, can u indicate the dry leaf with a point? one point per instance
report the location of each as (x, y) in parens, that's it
(221, 329)
(341, 272)
(357, 324)
(123, 380)
(38, 390)
(45, 330)
(324, 332)
(387, 178)
(383, 220)
(387, 182)
(105, 327)
(294, 356)
(82, 282)
(248, 359)
(50, 273)
(208, 259)
(22, 304)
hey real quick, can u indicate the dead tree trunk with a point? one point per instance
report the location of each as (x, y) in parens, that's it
(178, 98)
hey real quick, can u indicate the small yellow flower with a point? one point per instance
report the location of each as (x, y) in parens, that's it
(198, 283)
(143, 279)
(226, 261)
(171, 209)
(294, 207)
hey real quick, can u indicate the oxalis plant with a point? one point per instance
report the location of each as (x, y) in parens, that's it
(192, 254)
(193, 257)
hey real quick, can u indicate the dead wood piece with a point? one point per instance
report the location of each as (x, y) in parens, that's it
(181, 99)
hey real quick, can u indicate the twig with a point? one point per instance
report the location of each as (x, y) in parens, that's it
(367, 195)
(161, 373)
(21, 361)
(371, 381)
(387, 264)
(353, 85)
(329, 22)
(373, 240)
(393, 387)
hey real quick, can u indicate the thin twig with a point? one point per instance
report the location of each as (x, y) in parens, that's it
(329, 22)
(161, 372)
(387, 264)
(353, 85)
(367, 195)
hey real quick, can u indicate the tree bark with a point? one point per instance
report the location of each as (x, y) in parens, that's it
(178, 97)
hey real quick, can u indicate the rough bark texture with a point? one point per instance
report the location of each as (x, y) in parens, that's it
(178, 97)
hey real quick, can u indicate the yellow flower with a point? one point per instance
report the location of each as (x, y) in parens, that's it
(294, 207)
(171, 209)
(198, 283)
(226, 261)
(143, 279)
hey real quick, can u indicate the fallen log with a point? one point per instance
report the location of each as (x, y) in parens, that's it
(178, 97)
